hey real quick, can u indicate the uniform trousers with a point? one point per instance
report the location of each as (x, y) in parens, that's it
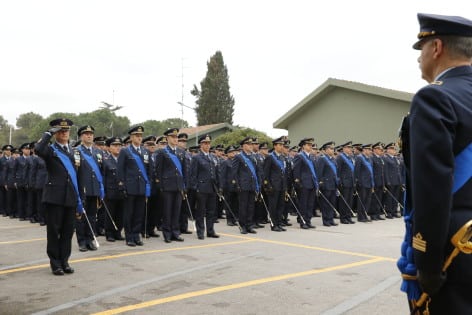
(246, 208)
(346, 204)
(171, 204)
(116, 209)
(306, 200)
(205, 211)
(84, 234)
(60, 228)
(134, 211)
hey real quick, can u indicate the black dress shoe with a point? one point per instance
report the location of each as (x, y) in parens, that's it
(42, 223)
(167, 240)
(91, 246)
(243, 230)
(282, 228)
(213, 235)
(351, 222)
(231, 223)
(259, 226)
(177, 238)
(311, 226)
(68, 269)
(276, 229)
(110, 239)
(131, 243)
(252, 231)
(58, 272)
(344, 221)
(327, 224)
(186, 232)
(139, 243)
(83, 248)
(333, 223)
(304, 226)
(382, 218)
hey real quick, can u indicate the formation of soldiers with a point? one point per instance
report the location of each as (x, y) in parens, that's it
(146, 185)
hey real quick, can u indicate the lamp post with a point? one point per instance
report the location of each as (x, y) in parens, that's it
(195, 110)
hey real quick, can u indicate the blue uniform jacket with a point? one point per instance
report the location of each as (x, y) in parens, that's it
(203, 173)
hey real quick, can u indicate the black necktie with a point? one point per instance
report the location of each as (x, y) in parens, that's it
(65, 148)
(139, 150)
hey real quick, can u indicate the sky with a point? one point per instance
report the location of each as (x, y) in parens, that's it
(69, 56)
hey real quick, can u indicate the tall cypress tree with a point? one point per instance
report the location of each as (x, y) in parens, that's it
(215, 104)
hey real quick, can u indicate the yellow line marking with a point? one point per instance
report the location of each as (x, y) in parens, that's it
(232, 287)
(23, 241)
(7, 271)
(311, 247)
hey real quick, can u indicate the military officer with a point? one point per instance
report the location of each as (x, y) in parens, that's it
(21, 174)
(172, 181)
(61, 194)
(203, 180)
(393, 180)
(364, 177)
(377, 205)
(437, 138)
(247, 181)
(133, 175)
(114, 194)
(305, 181)
(12, 208)
(184, 210)
(326, 170)
(345, 165)
(275, 180)
(226, 188)
(89, 174)
(152, 220)
(6, 149)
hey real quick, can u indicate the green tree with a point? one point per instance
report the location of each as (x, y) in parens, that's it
(238, 134)
(215, 104)
(157, 128)
(26, 124)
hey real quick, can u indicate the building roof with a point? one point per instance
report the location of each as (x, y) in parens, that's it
(199, 130)
(331, 84)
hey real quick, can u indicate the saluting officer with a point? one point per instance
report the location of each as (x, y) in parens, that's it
(275, 183)
(61, 194)
(172, 181)
(133, 174)
(326, 170)
(203, 180)
(89, 174)
(114, 194)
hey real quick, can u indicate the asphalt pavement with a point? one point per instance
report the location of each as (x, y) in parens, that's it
(346, 269)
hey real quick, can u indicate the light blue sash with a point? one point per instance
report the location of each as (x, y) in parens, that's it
(348, 161)
(279, 162)
(312, 169)
(140, 164)
(91, 162)
(333, 167)
(369, 167)
(252, 169)
(65, 160)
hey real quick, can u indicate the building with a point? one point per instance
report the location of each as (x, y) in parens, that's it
(213, 130)
(342, 110)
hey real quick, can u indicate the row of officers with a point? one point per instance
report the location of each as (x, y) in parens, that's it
(156, 184)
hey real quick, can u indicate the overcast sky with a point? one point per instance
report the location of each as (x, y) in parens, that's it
(70, 55)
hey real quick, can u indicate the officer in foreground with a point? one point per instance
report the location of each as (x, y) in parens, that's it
(60, 194)
(437, 147)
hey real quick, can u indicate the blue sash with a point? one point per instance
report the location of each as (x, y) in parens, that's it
(65, 160)
(406, 264)
(333, 167)
(140, 164)
(369, 167)
(175, 160)
(91, 162)
(312, 169)
(348, 161)
(463, 168)
(252, 169)
(279, 162)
